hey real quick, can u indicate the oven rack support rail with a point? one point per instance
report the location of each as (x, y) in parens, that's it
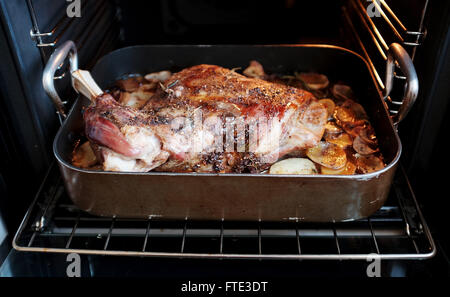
(373, 33)
(397, 231)
(95, 10)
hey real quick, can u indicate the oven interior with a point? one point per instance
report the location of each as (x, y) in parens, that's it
(29, 123)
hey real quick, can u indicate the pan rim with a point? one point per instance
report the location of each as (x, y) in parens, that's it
(365, 176)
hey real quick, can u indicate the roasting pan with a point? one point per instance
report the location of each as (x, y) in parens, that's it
(203, 196)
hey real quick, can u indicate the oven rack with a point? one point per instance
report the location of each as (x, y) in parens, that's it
(397, 231)
(373, 34)
(96, 13)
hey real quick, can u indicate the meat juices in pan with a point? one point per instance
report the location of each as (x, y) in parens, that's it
(210, 119)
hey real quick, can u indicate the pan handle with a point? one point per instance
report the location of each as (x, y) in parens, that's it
(398, 54)
(55, 62)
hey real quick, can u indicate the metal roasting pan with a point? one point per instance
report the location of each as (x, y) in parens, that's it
(200, 196)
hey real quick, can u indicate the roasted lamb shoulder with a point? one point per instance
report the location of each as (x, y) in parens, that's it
(206, 119)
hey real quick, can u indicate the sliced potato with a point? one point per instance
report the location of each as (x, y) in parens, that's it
(353, 129)
(327, 154)
(351, 114)
(348, 169)
(255, 70)
(357, 109)
(313, 81)
(362, 147)
(343, 140)
(342, 92)
(329, 105)
(369, 163)
(84, 156)
(135, 99)
(343, 115)
(130, 84)
(368, 135)
(332, 128)
(148, 87)
(161, 76)
(293, 166)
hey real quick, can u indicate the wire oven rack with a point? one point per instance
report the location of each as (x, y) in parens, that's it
(397, 231)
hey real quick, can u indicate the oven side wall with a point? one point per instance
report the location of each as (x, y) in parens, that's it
(28, 121)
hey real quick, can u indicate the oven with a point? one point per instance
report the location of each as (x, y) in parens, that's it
(42, 231)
